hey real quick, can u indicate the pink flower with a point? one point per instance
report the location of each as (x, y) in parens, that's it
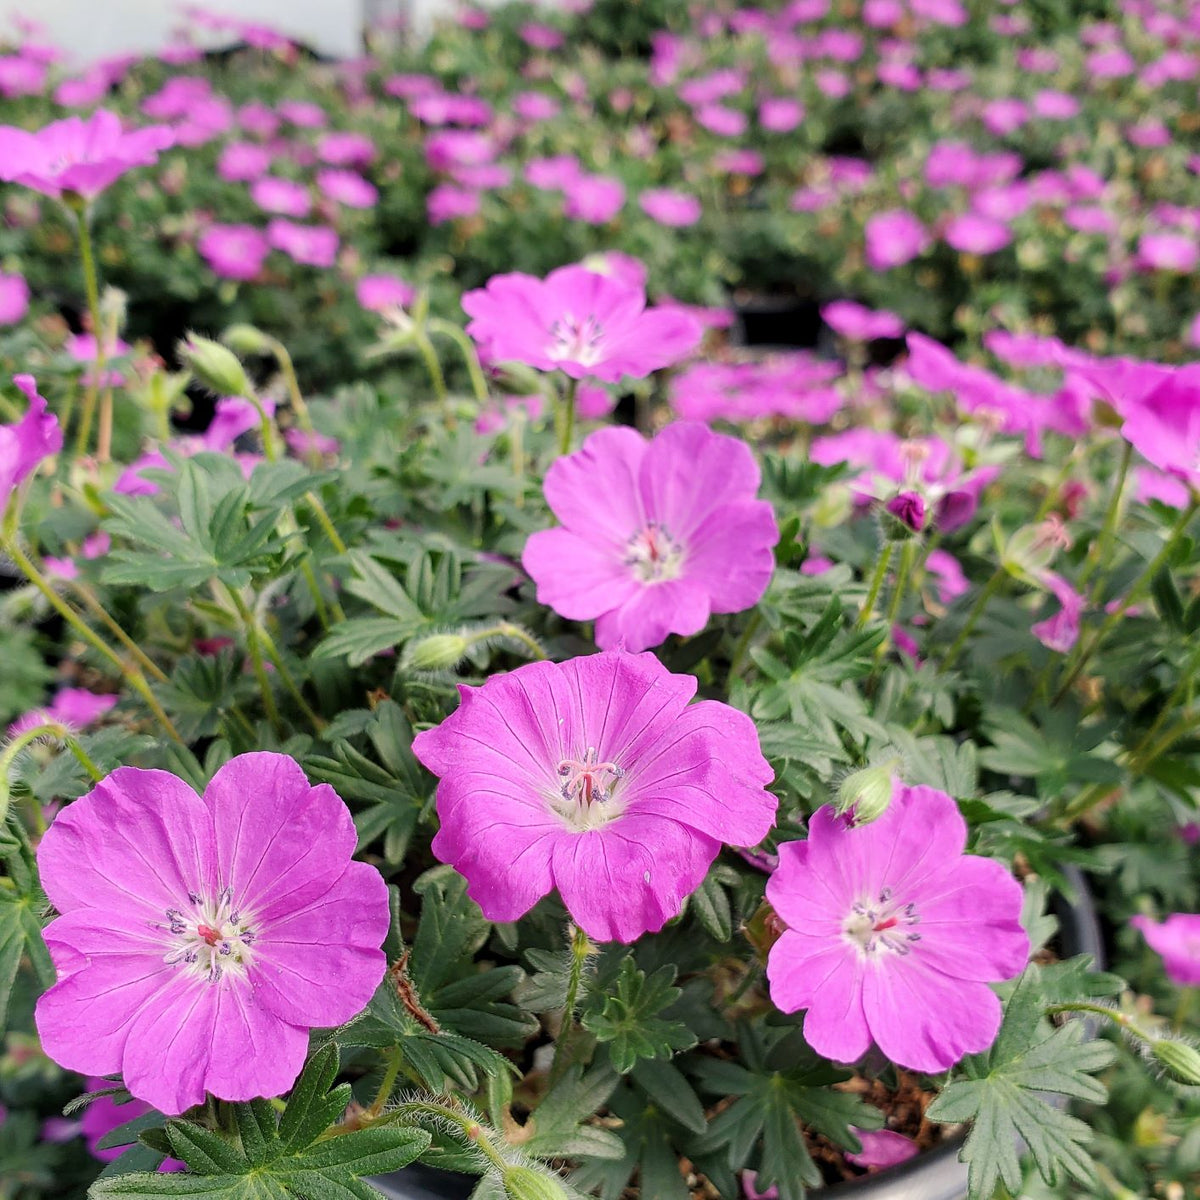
(201, 938)
(894, 238)
(75, 708)
(655, 536)
(1162, 420)
(595, 199)
(312, 245)
(1168, 252)
(859, 323)
(722, 120)
(347, 188)
(578, 321)
(14, 298)
(971, 233)
(24, 445)
(285, 196)
(102, 1116)
(780, 114)
(346, 149)
(310, 445)
(1060, 632)
(234, 251)
(21, 76)
(797, 387)
(304, 114)
(549, 174)
(670, 207)
(1177, 939)
(450, 203)
(881, 1148)
(379, 292)
(894, 934)
(598, 778)
(76, 156)
(241, 162)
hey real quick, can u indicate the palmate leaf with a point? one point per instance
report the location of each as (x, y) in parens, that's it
(559, 1126)
(1001, 1097)
(273, 1158)
(627, 1020)
(21, 936)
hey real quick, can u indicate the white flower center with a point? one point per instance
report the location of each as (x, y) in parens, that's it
(881, 923)
(210, 938)
(584, 799)
(576, 340)
(653, 555)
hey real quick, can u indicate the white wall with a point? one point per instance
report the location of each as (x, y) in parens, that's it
(92, 29)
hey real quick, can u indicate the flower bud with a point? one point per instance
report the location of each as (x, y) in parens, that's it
(1181, 1060)
(524, 1183)
(215, 366)
(437, 652)
(905, 515)
(246, 339)
(764, 929)
(866, 794)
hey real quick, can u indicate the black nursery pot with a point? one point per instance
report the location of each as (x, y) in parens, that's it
(937, 1175)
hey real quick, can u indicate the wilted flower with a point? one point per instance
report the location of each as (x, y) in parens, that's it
(1177, 940)
(655, 536)
(881, 1148)
(578, 321)
(893, 934)
(598, 778)
(78, 157)
(201, 938)
(24, 445)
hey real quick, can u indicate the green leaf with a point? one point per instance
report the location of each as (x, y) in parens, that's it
(20, 934)
(1001, 1096)
(669, 1088)
(312, 1107)
(557, 1128)
(1168, 601)
(452, 928)
(627, 1020)
(262, 1168)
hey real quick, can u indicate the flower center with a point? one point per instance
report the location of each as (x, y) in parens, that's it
(881, 923)
(584, 797)
(576, 340)
(653, 555)
(210, 937)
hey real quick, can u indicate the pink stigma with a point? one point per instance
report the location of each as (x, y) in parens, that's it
(209, 934)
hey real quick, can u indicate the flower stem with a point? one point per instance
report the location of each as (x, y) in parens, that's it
(567, 431)
(469, 353)
(981, 602)
(394, 1060)
(880, 574)
(434, 367)
(580, 948)
(1114, 619)
(54, 729)
(472, 1129)
(903, 571)
(96, 608)
(288, 370)
(289, 681)
(131, 674)
(1112, 514)
(253, 647)
(1183, 1007)
(92, 288)
(743, 643)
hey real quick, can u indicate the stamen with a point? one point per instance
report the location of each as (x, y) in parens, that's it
(586, 780)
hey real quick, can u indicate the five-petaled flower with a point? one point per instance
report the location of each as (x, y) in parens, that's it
(24, 445)
(202, 937)
(78, 157)
(578, 321)
(597, 777)
(894, 934)
(655, 536)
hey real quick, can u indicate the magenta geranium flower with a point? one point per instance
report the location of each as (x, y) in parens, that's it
(24, 445)
(14, 298)
(234, 251)
(312, 245)
(201, 938)
(578, 321)
(596, 777)
(102, 1116)
(893, 239)
(894, 934)
(655, 536)
(1177, 940)
(76, 708)
(881, 1148)
(76, 156)
(670, 207)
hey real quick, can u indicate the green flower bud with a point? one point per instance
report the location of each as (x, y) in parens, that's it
(1031, 550)
(437, 652)
(524, 1183)
(245, 339)
(1181, 1060)
(215, 366)
(868, 792)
